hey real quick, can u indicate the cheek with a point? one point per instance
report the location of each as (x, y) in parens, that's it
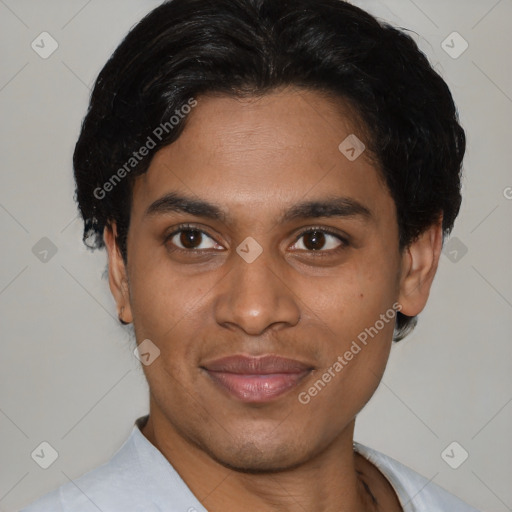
(352, 298)
(162, 297)
(352, 374)
(357, 307)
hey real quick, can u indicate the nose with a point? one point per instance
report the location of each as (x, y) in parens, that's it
(256, 296)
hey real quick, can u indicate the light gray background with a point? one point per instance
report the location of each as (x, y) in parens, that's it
(68, 375)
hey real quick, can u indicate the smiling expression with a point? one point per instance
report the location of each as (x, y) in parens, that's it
(261, 174)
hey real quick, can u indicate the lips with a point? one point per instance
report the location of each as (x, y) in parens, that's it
(256, 379)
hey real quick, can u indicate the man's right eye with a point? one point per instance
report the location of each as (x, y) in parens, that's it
(187, 238)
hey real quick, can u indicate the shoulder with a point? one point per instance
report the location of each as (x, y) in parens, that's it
(415, 492)
(137, 478)
(107, 487)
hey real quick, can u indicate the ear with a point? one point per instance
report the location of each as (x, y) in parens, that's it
(419, 265)
(117, 275)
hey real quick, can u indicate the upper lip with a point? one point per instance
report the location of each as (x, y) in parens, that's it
(261, 365)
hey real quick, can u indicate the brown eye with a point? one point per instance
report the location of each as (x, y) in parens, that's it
(319, 240)
(190, 238)
(314, 240)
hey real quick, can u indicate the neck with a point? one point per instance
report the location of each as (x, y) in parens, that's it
(336, 480)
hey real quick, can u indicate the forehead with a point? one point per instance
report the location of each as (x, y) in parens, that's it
(264, 152)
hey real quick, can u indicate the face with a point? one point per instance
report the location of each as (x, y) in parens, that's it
(253, 235)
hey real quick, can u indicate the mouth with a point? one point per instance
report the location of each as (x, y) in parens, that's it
(256, 379)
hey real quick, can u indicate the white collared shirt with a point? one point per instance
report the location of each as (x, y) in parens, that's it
(138, 478)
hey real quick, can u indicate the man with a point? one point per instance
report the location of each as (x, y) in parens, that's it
(272, 181)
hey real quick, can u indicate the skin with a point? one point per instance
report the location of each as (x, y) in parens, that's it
(255, 158)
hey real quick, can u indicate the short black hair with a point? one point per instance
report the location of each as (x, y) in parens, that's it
(185, 48)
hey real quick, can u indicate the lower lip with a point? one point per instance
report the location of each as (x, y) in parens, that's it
(257, 388)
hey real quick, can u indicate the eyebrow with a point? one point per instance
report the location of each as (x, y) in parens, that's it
(329, 207)
(174, 202)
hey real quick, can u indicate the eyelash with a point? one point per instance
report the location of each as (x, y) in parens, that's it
(344, 241)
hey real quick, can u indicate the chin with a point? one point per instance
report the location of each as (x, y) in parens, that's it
(253, 457)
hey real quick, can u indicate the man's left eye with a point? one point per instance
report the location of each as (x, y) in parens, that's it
(316, 240)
